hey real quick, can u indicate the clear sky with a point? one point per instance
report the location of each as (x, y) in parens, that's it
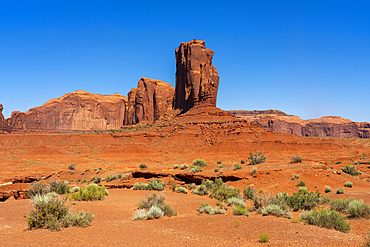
(306, 58)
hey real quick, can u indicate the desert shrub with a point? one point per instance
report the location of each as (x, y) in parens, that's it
(199, 162)
(348, 184)
(181, 189)
(140, 186)
(237, 167)
(223, 193)
(175, 166)
(183, 167)
(173, 186)
(257, 158)
(191, 186)
(92, 192)
(206, 208)
(301, 183)
(294, 220)
(95, 180)
(296, 159)
(236, 201)
(325, 200)
(302, 189)
(154, 212)
(216, 169)
(60, 187)
(340, 191)
(195, 169)
(167, 209)
(201, 190)
(351, 170)
(84, 180)
(264, 238)
(72, 167)
(51, 212)
(156, 184)
(139, 214)
(253, 171)
(143, 166)
(37, 188)
(340, 205)
(276, 210)
(75, 189)
(358, 209)
(338, 162)
(151, 200)
(220, 166)
(219, 162)
(294, 177)
(327, 189)
(304, 200)
(366, 242)
(326, 218)
(239, 210)
(111, 178)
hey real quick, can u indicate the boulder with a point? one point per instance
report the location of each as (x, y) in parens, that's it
(196, 78)
(77, 111)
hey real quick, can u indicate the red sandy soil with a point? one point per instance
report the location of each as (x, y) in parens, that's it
(205, 133)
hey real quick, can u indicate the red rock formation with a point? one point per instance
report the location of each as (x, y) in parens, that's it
(196, 78)
(2, 121)
(151, 100)
(278, 121)
(78, 111)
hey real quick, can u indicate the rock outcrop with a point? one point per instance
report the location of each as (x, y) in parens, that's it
(151, 100)
(2, 121)
(78, 111)
(196, 78)
(278, 121)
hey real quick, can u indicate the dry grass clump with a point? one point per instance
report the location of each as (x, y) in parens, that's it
(206, 208)
(153, 207)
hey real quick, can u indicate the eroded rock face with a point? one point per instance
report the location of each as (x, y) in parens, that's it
(3, 124)
(78, 111)
(196, 78)
(278, 121)
(151, 100)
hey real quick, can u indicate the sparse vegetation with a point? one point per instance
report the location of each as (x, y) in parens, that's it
(37, 188)
(242, 162)
(294, 177)
(111, 178)
(326, 218)
(50, 212)
(237, 167)
(72, 167)
(151, 185)
(143, 166)
(199, 163)
(92, 192)
(206, 208)
(153, 207)
(219, 162)
(296, 159)
(264, 238)
(183, 167)
(257, 158)
(253, 171)
(301, 183)
(181, 189)
(195, 169)
(348, 184)
(327, 189)
(351, 170)
(239, 210)
(176, 166)
(340, 191)
(95, 180)
(276, 210)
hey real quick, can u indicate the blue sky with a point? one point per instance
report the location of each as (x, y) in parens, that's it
(306, 58)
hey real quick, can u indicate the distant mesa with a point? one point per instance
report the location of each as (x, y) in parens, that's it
(275, 120)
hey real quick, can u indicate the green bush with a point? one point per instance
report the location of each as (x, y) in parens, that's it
(257, 158)
(84, 180)
(191, 186)
(195, 169)
(199, 162)
(294, 177)
(327, 189)
(201, 190)
(296, 159)
(348, 184)
(358, 209)
(242, 162)
(219, 162)
(156, 184)
(223, 193)
(50, 212)
(140, 186)
(264, 238)
(236, 201)
(326, 218)
(237, 167)
(239, 210)
(206, 208)
(181, 189)
(340, 205)
(75, 189)
(143, 166)
(95, 180)
(338, 162)
(301, 183)
(173, 186)
(92, 192)
(253, 171)
(154, 212)
(302, 189)
(340, 191)
(111, 178)
(351, 170)
(276, 210)
(155, 206)
(183, 167)
(175, 166)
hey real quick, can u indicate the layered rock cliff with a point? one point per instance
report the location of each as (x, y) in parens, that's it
(278, 121)
(78, 111)
(151, 100)
(196, 78)
(3, 126)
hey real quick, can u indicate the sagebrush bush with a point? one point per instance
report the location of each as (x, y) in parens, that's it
(239, 210)
(175, 166)
(51, 212)
(201, 190)
(224, 192)
(72, 167)
(37, 188)
(351, 170)
(60, 187)
(294, 177)
(154, 212)
(206, 208)
(92, 192)
(143, 166)
(257, 158)
(199, 162)
(358, 209)
(195, 169)
(111, 178)
(139, 214)
(302, 189)
(153, 207)
(296, 159)
(340, 191)
(140, 186)
(236, 201)
(326, 218)
(75, 189)
(253, 171)
(327, 189)
(237, 167)
(95, 180)
(276, 210)
(301, 183)
(181, 189)
(348, 184)
(340, 205)
(151, 200)
(156, 184)
(183, 167)
(191, 186)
